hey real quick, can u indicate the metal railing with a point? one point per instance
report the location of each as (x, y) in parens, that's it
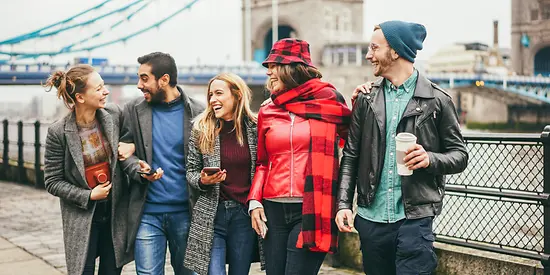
(500, 203)
(23, 147)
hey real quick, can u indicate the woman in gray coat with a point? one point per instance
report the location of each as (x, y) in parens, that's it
(221, 164)
(81, 168)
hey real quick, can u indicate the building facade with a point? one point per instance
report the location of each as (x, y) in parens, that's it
(333, 28)
(531, 37)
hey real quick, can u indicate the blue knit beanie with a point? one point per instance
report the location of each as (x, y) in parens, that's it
(405, 38)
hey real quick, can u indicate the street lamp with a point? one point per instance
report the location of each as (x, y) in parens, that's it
(275, 20)
(247, 31)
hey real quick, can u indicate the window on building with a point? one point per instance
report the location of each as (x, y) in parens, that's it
(534, 14)
(545, 11)
(328, 18)
(337, 22)
(340, 60)
(364, 51)
(352, 55)
(347, 20)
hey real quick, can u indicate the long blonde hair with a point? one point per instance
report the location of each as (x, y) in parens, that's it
(209, 126)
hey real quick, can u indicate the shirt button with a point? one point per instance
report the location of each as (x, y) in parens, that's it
(394, 118)
(396, 100)
(390, 171)
(390, 189)
(391, 153)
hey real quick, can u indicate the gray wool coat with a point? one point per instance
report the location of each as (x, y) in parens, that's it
(201, 233)
(138, 129)
(64, 177)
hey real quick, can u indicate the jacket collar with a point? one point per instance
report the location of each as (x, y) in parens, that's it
(74, 143)
(423, 88)
(145, 121)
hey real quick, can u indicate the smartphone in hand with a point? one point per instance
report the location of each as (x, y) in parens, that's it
(151, 172)
(264, 230)
(211, 170)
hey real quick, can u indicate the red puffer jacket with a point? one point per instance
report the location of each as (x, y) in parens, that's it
(283, 147)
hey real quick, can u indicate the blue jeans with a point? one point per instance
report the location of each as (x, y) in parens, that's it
(153, 233)
(284, 223)
(404, 247)
(234, 240)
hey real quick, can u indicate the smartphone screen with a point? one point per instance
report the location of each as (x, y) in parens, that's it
(211, 170)
(151, 172)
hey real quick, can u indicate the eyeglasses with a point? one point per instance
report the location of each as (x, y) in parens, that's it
(374, 47)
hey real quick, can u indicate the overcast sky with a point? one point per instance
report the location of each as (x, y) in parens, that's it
(211, 31)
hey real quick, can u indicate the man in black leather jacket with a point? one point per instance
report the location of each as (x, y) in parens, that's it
(395, 213)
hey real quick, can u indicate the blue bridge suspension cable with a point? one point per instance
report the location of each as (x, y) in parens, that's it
(33, 34)
(70, 48)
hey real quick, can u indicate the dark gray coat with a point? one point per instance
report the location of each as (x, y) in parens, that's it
(138, 129)
(201, 233)
(65, 178)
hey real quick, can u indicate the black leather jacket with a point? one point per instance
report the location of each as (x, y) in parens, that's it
(431, 116)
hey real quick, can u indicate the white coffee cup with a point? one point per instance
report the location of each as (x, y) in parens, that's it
(403, 141)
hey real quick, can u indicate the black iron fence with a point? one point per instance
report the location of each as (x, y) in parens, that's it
(23, 151)
(500, 203)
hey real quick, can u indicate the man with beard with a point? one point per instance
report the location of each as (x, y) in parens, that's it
(159, 125)
(395, 213)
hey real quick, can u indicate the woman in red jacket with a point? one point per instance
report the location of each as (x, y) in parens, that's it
(297, 166)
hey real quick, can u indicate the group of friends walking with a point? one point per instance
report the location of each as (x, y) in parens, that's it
(221, 186)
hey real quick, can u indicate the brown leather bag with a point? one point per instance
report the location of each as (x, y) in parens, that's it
(98, 174)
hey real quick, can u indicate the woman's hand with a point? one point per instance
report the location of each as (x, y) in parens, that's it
(213, 179)
(258, 221)
(101, 191)
(125, 150)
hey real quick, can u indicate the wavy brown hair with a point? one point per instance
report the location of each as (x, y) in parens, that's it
(69, 83)
(209, 126)
(296, 74)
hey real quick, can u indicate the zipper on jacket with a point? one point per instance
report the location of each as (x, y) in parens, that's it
(291, 152)
(269, 171)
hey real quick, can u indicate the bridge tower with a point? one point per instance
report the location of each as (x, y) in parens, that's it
(531, 37)
(317, 21)
(333, 28)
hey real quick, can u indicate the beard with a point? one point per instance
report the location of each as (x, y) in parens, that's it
(384, 64)
(157, 97)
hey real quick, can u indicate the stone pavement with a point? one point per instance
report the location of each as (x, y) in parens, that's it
(31, 237)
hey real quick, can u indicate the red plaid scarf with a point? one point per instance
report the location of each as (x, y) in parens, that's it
(325, 109)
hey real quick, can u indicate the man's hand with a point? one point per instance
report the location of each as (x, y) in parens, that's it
(416, 157)
(125, 150)
(258, 221)
(146, 168)
(213, 179)
(364, 88)
(344, 220)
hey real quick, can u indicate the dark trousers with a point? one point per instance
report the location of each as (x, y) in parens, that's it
(101, 245)
(284, 223)
(404, 247)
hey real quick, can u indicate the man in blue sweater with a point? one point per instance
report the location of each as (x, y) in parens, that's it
(159, 125)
